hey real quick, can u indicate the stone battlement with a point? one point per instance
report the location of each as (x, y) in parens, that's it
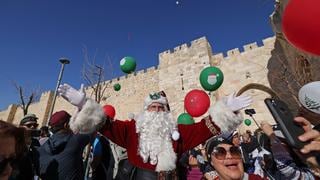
(268, 42)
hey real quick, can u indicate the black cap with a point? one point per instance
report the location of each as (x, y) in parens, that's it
(215, 142)
(28, 118)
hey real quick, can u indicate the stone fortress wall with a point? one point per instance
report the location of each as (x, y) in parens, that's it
(177, 73)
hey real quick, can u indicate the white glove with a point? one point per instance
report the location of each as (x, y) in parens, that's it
(75, 97)
(238, 103)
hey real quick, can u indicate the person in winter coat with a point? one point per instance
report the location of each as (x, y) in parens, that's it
(60, 157)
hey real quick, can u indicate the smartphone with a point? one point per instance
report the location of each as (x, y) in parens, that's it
(284, 118)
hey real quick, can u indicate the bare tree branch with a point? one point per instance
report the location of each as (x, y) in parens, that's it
(94, 75)
(26, 97)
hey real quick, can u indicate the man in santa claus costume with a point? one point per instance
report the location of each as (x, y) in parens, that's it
(153, 139)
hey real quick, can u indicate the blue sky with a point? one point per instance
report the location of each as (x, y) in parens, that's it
(34, 34)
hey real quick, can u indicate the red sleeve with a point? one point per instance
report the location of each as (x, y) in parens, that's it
(194, 134)
(117, 132)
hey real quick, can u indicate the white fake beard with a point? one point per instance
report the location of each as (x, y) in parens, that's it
(155, 144)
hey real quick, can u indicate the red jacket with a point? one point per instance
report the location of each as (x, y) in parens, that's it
(124, 134)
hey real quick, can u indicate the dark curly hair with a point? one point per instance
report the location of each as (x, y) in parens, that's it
(9, 130)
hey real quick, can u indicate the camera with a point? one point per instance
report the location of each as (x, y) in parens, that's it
(195, 153)
(249, 112)
(35, 133)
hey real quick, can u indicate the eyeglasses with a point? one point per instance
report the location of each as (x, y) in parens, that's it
(5, 161)
(156, 108)
(31, 125)
(221, 153)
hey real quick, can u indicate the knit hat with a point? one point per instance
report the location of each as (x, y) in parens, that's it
(28, 118)
(158, 97)
(309, 96)
(59, 118)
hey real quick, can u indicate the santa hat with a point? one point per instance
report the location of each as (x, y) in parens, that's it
(309, 96)
(159, 97)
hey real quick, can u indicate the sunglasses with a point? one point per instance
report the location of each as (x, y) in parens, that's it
(221, 153)
(4, 162)
(32, 125)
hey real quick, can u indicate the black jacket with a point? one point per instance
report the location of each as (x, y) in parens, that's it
(61, 156)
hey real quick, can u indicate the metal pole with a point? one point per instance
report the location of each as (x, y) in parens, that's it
(255, 121)
(63, 62)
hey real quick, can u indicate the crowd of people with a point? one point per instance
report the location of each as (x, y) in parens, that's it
(151, 146)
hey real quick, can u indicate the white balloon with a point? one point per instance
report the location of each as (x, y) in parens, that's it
(309, 96)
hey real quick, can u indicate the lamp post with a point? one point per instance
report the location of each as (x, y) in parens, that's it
(63, 62)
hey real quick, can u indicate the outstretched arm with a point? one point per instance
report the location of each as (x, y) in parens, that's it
(224, 117)
(89, 115)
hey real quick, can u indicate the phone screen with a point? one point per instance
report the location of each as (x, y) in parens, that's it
(285, 120)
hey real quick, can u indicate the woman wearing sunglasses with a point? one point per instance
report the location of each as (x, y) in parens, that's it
(226, 160)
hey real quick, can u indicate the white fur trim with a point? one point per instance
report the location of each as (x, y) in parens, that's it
(224, 117)
(89, 119)
(148, 101)
(131, 116)
(175, 135)
(166, 160)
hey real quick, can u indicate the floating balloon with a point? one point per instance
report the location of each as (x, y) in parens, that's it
(211, 78)
(196, 102)
(185, 118)
(128, 64)
(301, 25)
(109, 111)
(309, 96)
(117, 87)
(247, 122)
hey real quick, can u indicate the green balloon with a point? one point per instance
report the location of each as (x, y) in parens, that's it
(247, 122)
(117, 87)
(128, 64)
(185, 118)
(211, 78)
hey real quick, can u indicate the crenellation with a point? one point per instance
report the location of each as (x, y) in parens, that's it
(151, 69)
(123, 77)
(181, 47)
(269, 41)
(140, 72)
(164, 53)
(198, 41)
(250, 46)
(114, 80)
(233, 52)
(218, 56)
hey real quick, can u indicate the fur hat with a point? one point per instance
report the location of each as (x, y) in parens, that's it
(309, 96)
(158, 97)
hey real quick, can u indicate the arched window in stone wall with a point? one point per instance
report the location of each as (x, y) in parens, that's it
(303, 70)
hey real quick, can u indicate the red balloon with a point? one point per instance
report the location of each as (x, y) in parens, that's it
(196, 102)
(301, 25)
(109, 111)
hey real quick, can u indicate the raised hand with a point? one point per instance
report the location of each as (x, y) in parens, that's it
(311, 135)
(236, 103)
(75, 97)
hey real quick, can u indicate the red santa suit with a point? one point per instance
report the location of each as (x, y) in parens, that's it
(124, 133)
